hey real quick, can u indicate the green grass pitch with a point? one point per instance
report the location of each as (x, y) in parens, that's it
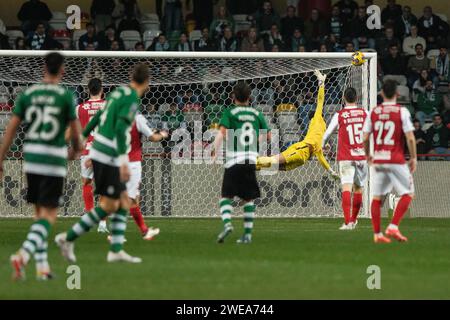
(288, 259)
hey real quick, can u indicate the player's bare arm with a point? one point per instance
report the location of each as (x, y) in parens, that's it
(75, 139)
(366, 142)
(8, 139)
(221, 134)
(412, 147)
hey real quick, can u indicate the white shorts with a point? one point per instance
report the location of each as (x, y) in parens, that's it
(353, 172)
(87, 173)
(135, 179)
(386, 177)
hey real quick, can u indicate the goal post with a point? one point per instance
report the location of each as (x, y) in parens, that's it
(187, 94)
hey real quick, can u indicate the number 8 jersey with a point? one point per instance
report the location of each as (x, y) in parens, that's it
(46, 110)
(388, 122)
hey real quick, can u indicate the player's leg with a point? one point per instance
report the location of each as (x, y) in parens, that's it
(381, 186)
(248, 191)
(347, 174)
(404, 185)
(359, 182)
(44, 192)
(290, 159)
(228, 192)
(133, 192)
(109, 188)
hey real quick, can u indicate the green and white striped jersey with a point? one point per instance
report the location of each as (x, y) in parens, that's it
(46, 110)
(112, 139)
(244, 125)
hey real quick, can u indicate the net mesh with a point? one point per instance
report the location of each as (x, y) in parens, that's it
(187, 97)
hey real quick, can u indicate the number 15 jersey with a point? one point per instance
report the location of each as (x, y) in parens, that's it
(389, 122)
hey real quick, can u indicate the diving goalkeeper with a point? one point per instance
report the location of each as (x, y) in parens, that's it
(299, 153)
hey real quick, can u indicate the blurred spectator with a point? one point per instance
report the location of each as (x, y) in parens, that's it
(228, 43)
(431, 25)
(251, 39)
(129, 22)
(205, 43)
(336, 24)
(173, 118)
(90, 37)
(323, 47)
(262, 92)
(130, 8)
(297, 40)
(172, 15)
(21, 44)
(361, 35)
(383, 43)
(101, 13)
(220, 22)
(333, 45)
(160, 44)
(438, 138)
(428, 103)
(410, 42)
(184, 44)
(301, 48)
(109, 35)
(420, 84)
(349, 47)
(33, 12)
(41, 40)
(139, 46)
(391, 12)
(274, 38)
(446, 107)
(405, 22)
(348, 9)
(266, 17)
(115, 46)
(416, 64)
(393, 63)
(4, 44)
(187, 99)
(275, 48)
(443, 67)
(420, 138)
(316, 28)
(290, 22)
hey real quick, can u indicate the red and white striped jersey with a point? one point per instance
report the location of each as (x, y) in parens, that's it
(349, 122)
(389, 122)
(138, 129)
(85, 111)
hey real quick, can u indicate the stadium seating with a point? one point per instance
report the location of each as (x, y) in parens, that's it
(63, 37)
(149, 35)
(432, 54)
(150, 21)
(401, 80)
(13, 35)
(241, 22)
(195, 35)
(130, 37)
(58, 21)
(404, 95)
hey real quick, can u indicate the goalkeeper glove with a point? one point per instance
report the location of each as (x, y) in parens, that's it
(334, 175)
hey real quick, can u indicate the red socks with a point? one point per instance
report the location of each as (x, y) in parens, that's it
(139, 219)
(376, 215)
(88, 197)
(346, 204)
(401, 208)
(356, 206)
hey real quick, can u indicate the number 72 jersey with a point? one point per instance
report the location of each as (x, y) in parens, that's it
(388, 123)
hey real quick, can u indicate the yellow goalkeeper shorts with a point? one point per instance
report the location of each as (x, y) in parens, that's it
(296, 155)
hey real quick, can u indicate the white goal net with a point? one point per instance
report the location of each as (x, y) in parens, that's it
(188, 93)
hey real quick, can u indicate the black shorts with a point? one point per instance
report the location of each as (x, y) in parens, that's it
(107, 180)
(240, 181)
(45, 191)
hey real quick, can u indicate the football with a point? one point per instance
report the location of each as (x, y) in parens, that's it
(358, 59)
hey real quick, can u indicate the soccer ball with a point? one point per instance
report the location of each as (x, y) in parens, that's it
(358, 59)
